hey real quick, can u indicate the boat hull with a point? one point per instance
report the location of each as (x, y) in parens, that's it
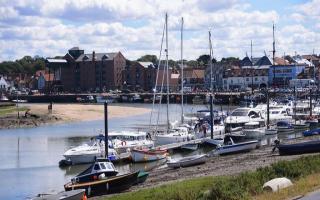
(299, 148)
(169, 139)
(106, 186)
(237, 148)
(66, 195)
(83, 158)
(187, 161)
(147, 156)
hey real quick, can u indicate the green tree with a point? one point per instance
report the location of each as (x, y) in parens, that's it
(148, 58)
(204, 60)
(230, 60)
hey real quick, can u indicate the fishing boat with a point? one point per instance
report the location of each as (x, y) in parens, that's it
(65, 195)
(105, 185)
(230, 146)
(284, 127)
(187, 161)
(298, 148)
(311, 132)
(99, 169)
(147, 155)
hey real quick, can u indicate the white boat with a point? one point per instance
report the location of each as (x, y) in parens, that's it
(147, 155)
(64, 195)
(301, 124)
(125, 141)
(271, 131)
(87, 153)
(175, 135)
(284, 127)
(216, 140)
(231, 147)
(187, 161)
(240, 116)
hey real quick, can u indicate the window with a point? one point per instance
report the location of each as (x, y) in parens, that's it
(102, 166)
(96, 167)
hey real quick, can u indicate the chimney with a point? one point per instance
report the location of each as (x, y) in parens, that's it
(93, 56)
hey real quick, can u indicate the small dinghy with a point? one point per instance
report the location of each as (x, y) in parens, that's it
(311, 132)
(65, 195)
(284, 127)
(298, 148)
(148, 155)
(187, 161)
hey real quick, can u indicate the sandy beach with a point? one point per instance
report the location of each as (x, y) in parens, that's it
(63, 113)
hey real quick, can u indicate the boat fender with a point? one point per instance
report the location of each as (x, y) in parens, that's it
(89, 190)
(101, 176)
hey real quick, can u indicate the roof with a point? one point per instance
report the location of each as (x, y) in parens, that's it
(55, 60)
(193, 73)
(245, 61)
(74, 48)
(264, 60)
(98, 57)
(146, 64)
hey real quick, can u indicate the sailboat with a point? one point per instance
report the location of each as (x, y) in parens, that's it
(180, 133)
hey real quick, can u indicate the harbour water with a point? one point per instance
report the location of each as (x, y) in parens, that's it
(29, 156)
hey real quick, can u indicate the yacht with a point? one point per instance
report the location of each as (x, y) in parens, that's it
(125, 141)
(88, 152)
(174, 135)
(240, 116)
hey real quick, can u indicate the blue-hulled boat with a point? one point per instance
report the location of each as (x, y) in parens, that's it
(299, 148)
(311, 132)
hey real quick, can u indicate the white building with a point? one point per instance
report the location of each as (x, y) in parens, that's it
(4, 86)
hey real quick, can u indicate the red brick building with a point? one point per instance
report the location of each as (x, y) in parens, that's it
(78, 71)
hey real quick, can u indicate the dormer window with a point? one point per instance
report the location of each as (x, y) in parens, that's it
(85, 57)
(104, 57)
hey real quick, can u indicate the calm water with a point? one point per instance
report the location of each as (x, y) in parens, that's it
(30, 156)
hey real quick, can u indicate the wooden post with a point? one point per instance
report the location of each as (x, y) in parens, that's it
(106, 128)
(211, 115)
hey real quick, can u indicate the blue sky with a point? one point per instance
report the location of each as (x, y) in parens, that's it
(134, 27)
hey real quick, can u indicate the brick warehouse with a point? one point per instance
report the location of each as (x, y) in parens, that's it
(78, 71)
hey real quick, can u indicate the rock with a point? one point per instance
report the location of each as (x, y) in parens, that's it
(276, 184)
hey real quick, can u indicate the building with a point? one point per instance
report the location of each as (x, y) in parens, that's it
(193, 78)
(140, 76)
(280, 75)
(4, 86)
(174, 79)
(250, 74)
(218, 70)
(79, 71)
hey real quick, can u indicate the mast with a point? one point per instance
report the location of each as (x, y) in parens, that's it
(182, 70)
(167, 68)
(273, 53)
(211, 87)
(268, 109)
(251, 69)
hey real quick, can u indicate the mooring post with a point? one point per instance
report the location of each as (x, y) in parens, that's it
(211, 116)
(106, 128)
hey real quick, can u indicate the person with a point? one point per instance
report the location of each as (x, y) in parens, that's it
(204, 128)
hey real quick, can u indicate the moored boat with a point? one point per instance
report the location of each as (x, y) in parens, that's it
(187, 161)
(284, 127)
(230, 146)
(65, 195)
(311, 132)
(147, 155)
(300, 125)
(299, 148)
(105, 185)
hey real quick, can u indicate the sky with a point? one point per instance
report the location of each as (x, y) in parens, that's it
(49, 28)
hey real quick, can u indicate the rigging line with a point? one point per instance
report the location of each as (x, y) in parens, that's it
(161, 94)
(155, 89)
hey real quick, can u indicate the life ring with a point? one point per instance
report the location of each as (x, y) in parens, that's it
(123, 143)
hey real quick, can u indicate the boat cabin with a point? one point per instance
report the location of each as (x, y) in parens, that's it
(252, 125)
(127, 136)
(98, 170)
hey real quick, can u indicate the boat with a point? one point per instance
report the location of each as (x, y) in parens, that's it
(197, 100)
(254, 130)
(147, 155)
(230, 146)
(240, 116)
(64, 195)
(174, 135)
(19, 101)
(271, 131)
(299, 148)
(100, 168)
(125, 141)
(216, 140)
(88, 152)
(100, 99)
(190, 146)
(187, 161)
(301, 124)
(142, 177)
(284, 127)
(311, 132)
(105, 185)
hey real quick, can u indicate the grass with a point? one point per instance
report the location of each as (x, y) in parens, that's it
(247, 185)
(10, 109)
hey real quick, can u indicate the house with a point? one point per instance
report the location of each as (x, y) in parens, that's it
(193, 78)
(174, 79)
(140, 76)
(4, 86)
(80, 71)
(218, 70)
(280, 75)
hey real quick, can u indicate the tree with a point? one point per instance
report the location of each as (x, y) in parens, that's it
(149, 58)
(204, 60)
(230, 60)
